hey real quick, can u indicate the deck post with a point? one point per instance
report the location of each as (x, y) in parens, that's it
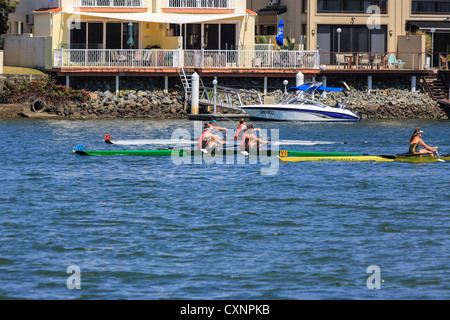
(324, 81)
(265, 86)
(299, 79)
(369, 83)
(166, 84)
(195, 87)
(413, 83)
(67, 81)
(117, 85)
(215, 95)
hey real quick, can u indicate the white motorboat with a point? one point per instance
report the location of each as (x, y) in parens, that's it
(302, 107)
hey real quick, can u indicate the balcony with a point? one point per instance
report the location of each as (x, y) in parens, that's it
(198, 4)
(151, 60)
(109, 3)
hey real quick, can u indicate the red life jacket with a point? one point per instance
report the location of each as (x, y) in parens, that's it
(238, 131)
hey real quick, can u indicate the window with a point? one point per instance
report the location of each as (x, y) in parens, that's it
(92, 35)
(430, 7)
(349, 6)
(268, 30)
(355, 38)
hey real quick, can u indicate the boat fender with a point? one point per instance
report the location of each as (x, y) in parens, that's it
(108, 139)
(38, 106)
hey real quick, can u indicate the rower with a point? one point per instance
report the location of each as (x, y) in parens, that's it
(240, 130)
(208, 140)
(250, 141)
(415, 142)
(212, 124)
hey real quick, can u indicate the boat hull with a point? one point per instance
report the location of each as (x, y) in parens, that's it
(301, 113)
(179, 153)
(366, 158)
(341, 158)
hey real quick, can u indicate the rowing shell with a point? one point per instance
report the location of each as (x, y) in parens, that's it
(187, 142)
(365, 158)
(169, 152)
(341, 158)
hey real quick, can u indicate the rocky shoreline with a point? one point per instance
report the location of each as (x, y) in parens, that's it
(149, 100)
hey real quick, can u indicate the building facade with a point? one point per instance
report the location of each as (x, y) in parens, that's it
(365, 26)
(169, 25)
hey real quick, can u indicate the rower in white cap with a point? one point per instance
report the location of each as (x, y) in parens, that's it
(416, 141)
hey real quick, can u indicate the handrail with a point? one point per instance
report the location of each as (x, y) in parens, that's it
(385, 60)
(109, 3)
(199, 4)
(178, 58)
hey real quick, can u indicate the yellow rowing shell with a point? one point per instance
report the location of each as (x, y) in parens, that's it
(341, 158)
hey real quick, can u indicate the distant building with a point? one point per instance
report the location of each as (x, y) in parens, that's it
(366, 26)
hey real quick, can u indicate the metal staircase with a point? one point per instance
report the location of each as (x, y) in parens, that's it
(185, 77)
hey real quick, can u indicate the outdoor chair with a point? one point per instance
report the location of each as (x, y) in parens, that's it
(276, 60)
(138, 57)
(364, 61)
(377, 62)
(257, 62)
(117, 57)
(147, 58)
(393, 62)
(340, 60)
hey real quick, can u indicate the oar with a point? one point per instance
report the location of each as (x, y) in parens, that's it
(438, 156)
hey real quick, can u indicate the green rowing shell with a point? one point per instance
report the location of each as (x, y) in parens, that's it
(198, 152)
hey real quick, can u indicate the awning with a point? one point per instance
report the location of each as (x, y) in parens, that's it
(440, 26)
(174, 18)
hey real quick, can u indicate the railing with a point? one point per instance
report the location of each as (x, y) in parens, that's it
(109, 3)
(199, 4)
(254, 59)
(380, 60)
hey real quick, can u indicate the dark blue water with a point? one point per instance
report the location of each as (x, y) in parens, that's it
(145, 228)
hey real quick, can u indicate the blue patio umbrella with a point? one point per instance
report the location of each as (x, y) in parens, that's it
(130, 41)
(280, 34)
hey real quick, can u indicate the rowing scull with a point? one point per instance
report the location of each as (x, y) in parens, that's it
(180, 152)
(182, 142)
(367, 158)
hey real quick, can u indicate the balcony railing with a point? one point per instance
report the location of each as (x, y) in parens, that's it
(381, 60)
(199, 4)
(215, 59)
(109, 3)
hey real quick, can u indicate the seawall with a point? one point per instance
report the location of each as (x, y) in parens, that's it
(145, 98)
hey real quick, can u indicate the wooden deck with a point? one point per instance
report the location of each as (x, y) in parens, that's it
(230, 72)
